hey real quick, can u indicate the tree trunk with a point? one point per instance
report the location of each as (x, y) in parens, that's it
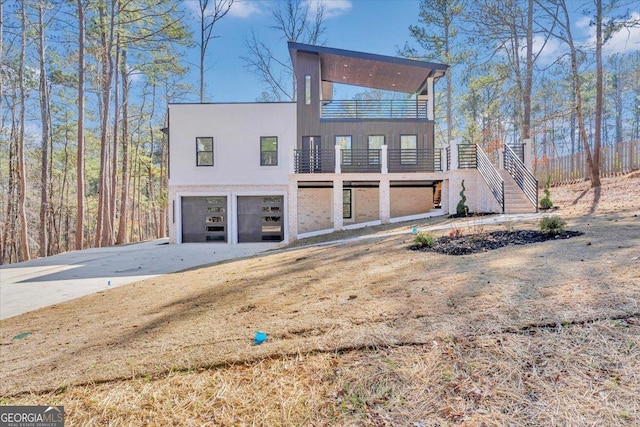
(46, 129)
(597, 142)
(80, 156)
(528, 82)
(595, 175)
(103, 225)
(114, 154)
(21, 172)
(124, 188)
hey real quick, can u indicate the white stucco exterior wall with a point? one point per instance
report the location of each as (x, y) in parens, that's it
(236, 130)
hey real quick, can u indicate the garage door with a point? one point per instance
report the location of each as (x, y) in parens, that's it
(204, 219)
(260, 219)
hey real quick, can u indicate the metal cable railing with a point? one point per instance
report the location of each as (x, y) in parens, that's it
(314, 161)
(521, 175)
(490, 176)
(375, 109)
(410, 160)
(360, 161)
(467, 156)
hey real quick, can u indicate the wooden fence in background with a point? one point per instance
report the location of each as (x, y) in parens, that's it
(615, 160)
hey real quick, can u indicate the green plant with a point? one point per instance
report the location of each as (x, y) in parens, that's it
(462, 209)
(553, 224)
(545, 202)
(424, 240)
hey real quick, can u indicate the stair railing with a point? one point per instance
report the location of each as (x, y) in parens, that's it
(490, 176)
(521, 175)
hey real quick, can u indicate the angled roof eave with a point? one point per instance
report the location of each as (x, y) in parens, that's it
(371, 70)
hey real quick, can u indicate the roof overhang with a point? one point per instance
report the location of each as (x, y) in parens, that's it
(371, 70)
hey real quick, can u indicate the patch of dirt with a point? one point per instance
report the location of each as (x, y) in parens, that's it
(471, 244)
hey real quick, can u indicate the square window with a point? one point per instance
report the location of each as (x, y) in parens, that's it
(268, 151)
(204, 151)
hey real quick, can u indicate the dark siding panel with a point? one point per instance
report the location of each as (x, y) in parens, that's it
(392, 130)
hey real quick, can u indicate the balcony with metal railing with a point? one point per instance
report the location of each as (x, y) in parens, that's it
(367, 109)
(366, 161)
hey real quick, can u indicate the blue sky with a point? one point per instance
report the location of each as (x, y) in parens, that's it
(376, 26)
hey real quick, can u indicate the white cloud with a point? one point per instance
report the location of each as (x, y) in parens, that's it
(622, 41)
(239, 8)
(245, 9)
(331, 7)
(549, 51)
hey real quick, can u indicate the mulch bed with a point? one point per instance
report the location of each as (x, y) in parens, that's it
(474, 243)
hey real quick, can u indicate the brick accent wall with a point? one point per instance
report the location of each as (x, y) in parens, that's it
(366, 202)
(315, 207)
(410, 201)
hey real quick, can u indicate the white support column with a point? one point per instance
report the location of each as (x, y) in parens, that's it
(337, 204)
(338, 158)
(384, 200)
(454, 154)
(292, 161)
(527, 147)
(430, 96)
(443, 159)
(292, 210)
(384, 150)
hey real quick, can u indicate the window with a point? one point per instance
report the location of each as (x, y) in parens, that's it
(408, 146)
(307, 89)
(344, 142)
(204, 151)
(268, 151)
(375, 146)
(346, 204)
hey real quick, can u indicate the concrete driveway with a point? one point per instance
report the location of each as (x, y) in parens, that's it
(30, 285)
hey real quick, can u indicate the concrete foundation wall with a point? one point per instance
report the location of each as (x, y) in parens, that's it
(315, 208)
(479, 197)
(410, 201)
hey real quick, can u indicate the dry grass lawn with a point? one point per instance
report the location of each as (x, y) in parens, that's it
(364, 333)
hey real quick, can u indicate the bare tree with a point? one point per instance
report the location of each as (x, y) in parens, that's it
(295, 22)
(558, 12)
(80, 149)
(22, 173)
(440, 15)
(211, 11)
(46, 132)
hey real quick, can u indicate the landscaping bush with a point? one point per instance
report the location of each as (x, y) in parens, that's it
(462, 209)
(545, 202)
(424, 240)
(553, 225)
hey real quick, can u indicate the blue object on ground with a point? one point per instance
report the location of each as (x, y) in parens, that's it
(260, 338)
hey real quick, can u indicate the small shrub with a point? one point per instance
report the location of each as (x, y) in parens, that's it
(462, 209)
(424, 240)
(553, 224)
(545, 202)
(455, 232)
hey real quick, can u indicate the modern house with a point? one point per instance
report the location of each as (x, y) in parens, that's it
(255, 172)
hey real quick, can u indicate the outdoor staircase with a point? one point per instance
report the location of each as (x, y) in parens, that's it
(515, 201)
